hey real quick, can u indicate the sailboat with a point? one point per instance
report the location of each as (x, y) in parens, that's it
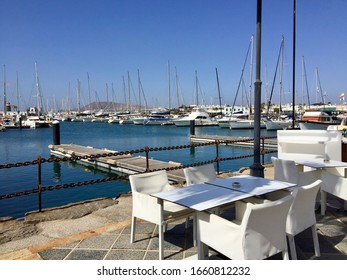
(35, 118)
(277, 123)
(241, 122)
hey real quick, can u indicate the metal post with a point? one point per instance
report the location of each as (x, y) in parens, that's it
(56, 133)
(147, 158)
(39, 183)
(294, 43)
(217, 155)
(192, 127)
(257, 169)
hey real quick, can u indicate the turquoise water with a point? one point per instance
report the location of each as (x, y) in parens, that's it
(27, 144)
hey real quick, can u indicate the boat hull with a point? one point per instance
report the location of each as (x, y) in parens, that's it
(311, 125)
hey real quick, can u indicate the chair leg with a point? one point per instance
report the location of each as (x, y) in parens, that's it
(292, 248)
(161, 240)
(315, 241)
(195, 226)
(202, 251)
(132, 233)
(323, 199)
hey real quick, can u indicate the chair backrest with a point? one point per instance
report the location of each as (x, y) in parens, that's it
(264, 228)
(199, 174)
(151, 182)
(301, 214)
(285, 170)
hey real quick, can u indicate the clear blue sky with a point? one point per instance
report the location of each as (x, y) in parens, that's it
(110, 38)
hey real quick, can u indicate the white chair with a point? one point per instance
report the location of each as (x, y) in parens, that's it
(148, 208)
(258, 231)
(335, 183)
(288, 171)
(199, 174)
(301, 215)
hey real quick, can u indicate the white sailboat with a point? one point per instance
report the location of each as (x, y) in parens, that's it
(278, 123)
(35, 118)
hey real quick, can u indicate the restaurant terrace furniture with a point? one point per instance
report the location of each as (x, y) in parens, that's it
(335, 183)
(258, 231)
(202, 174)
(306, 144)
(289, 171)
(199, 174)
(301, 215)
(148, 208)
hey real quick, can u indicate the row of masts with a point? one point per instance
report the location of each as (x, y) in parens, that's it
(141, 95)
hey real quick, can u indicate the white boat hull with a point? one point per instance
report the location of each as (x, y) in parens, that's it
(245, 124)
(306, 125)
(277, 125)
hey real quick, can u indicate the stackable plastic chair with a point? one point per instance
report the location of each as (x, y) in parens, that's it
(199, 174)
(301, 215)
(258, 231)
(287, 171)
(335, 183)
(147, 207)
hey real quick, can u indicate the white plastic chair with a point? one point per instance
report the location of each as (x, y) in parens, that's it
(199, 174)
(258, 231)
(148, 208)
(288, 171)
(335, 183)
(301, 215)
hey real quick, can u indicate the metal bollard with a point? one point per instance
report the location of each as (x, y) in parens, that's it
(56, 133)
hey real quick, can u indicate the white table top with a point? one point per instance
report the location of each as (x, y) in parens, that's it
(320, 163)
(251, 185)
(221, 191)
(201, 197)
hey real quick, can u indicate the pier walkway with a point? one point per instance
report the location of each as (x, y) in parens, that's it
(243, 142)
(123, 163)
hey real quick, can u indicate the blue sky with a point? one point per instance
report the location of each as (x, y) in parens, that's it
(109, 39)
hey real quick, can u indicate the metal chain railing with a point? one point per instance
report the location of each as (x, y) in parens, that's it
(39, 161)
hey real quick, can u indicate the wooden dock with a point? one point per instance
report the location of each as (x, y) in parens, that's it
(124, 164)
(269, 144)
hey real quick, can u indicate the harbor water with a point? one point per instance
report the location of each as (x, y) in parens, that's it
(28, 144)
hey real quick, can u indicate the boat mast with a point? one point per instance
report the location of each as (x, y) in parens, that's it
(281, 74)
(219, 97)
(17, 89)
(128, 92)
(38, 93)
(169, 86)
(4, 90)
(90, 102)
(139, 88)
(177, 94)
(196, 88)
(78, 97)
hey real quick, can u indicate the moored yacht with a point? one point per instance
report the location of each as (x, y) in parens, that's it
(198, 115)
(317, 119)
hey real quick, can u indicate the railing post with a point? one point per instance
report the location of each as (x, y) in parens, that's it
(147, 158)
(39, 184)
(217, 155)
